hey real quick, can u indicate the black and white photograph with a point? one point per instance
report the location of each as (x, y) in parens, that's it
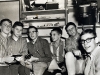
(49, 37)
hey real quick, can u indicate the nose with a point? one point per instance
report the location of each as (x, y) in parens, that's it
(85, 43)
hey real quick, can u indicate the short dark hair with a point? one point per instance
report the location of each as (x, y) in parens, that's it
(58, 30)
(5, 20)
(91, 31)
(32, 27)
(17, 23)
(68, 24)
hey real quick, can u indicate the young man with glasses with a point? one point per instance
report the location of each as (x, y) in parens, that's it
(92, 49)
(6, 26)
(73, 58)
(39, 50)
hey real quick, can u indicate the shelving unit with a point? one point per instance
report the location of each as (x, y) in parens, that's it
(41, 12)
(43, 19)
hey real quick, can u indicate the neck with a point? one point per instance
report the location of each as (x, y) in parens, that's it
(76, 36)
(15, 38)
(4, 34)
(57, 42)
(94, 48)
(34, 40)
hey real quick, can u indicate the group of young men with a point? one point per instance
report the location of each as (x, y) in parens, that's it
(17, 56)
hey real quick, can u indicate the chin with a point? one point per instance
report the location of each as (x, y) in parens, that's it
(89, 50)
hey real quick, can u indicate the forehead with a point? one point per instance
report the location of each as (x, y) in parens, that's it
(87, 35)
(54, 32)
(71, 26)
(6, 22)
(19, 27)
(32, 29)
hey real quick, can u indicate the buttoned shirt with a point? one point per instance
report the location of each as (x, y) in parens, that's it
(3, 49)
(40, 49)
(93, 63)
(58, 52)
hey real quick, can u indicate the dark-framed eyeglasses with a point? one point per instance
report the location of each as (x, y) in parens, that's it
(88, 40)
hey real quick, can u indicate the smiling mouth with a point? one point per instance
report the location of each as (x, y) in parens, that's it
(87, 47)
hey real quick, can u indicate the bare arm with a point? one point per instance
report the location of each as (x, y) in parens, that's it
(70, 63)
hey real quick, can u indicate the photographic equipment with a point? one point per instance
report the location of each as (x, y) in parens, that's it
(28, 56)
(16, 56)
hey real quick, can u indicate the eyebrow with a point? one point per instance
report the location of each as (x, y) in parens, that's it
(88, 38)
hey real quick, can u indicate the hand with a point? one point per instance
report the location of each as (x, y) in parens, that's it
(8, 59)
(51, 70)
(27, 62)
(63, 69)
(77, 53)
(58, 74)
(21, 58)
(33, 59)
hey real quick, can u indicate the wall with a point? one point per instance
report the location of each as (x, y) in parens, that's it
(9, 10)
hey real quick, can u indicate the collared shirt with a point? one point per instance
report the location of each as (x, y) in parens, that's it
(72, 43)
(3, 49)
(40, 49)
(3, 46)
(92, 63)
(58, 52)
(34, 41)
(18, 47)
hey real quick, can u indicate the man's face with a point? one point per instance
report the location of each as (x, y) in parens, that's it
(17, 31)
(33, 34)
(55, 36)
(6, 27)
(88, 42)
(71, 30)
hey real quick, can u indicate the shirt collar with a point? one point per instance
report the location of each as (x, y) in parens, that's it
(34, 41)
(15, 38)
(95, 51)
(3, 38)
(60, 43)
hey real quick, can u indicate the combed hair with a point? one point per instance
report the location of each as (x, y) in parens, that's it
(58, 30)
(17, 23)
(91, 31)
(5, 20)
(32, 27)
(68, 24)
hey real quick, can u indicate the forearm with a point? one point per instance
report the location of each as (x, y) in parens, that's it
(45, 59)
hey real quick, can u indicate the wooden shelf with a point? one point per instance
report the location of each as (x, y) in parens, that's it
(42, 20)
(26, 36)
(25, 29)
(8, 0)
(41, 12)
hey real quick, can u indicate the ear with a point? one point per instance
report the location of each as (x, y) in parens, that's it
(60, 35)
(12, 29)
(37, 33)
(96, 40)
